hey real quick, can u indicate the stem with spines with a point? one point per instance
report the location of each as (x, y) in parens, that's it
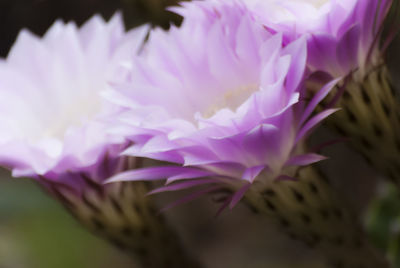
(123, 214)
(370, 117)
(309, 210)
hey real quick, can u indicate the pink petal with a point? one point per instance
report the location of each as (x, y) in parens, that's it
(251, 173)
(239, 195)
(182, 185)
(305, 159)
(321, 94)
(313, 122)
(147, 174)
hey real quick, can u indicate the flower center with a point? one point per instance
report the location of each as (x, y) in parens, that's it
(74, 113)
(315, 3)
(231, 99)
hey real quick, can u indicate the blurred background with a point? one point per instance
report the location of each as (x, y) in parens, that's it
(36, 232)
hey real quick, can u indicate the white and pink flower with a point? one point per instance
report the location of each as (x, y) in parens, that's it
(53, 119)
(219, 97)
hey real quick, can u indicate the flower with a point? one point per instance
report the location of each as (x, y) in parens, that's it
(54, 128)
(53, 118)
(344, 39)
(342, 35)
(219, 97)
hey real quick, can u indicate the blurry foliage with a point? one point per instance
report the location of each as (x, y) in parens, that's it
(383, 223)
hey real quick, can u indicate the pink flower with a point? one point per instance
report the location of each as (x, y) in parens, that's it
(342, 35)
(219, 97)
(53, 118)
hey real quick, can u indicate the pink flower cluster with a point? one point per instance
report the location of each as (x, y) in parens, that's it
(221, 98)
